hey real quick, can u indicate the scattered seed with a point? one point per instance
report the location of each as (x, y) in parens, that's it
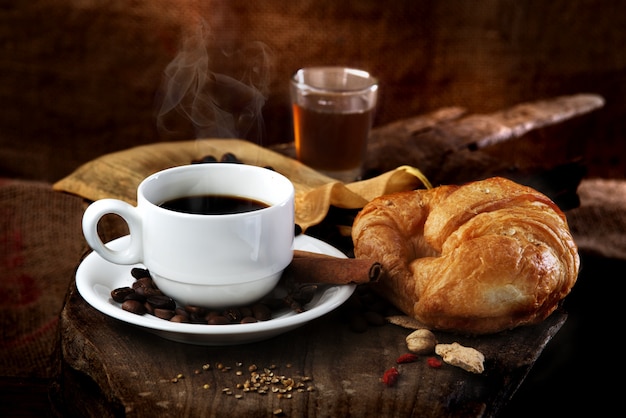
(260, 381)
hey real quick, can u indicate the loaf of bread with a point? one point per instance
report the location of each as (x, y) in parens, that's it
(479, 258)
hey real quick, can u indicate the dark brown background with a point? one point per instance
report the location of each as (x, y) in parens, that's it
(79, 79)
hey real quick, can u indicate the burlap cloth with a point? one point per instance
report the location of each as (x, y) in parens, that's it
(41, 244)
(599, 223)
(117, 175)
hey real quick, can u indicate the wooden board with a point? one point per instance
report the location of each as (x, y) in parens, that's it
(114, 369)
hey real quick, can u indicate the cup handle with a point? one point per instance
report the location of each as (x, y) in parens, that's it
(133, 253)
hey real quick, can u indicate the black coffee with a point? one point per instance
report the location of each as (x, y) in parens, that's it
(213, 204)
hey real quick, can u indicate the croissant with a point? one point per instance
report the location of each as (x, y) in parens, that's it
(478, 258)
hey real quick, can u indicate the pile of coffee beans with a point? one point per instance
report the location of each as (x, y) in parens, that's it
(227, 157)
(364, 309)
(144, 297)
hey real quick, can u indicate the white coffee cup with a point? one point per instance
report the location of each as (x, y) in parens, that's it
(209, 260)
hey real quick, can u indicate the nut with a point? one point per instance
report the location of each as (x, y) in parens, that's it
(422, 341)
(467, 358)
(405, 321)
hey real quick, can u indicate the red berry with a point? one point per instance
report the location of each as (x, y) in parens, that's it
(390, 377)
(434, 362)
(406, 358)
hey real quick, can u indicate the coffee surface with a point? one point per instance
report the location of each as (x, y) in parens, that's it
(213, 204)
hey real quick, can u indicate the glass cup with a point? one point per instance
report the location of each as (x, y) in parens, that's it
(333, 111)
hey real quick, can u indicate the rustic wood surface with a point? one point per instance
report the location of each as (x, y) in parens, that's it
(531, 143)
(133, 370)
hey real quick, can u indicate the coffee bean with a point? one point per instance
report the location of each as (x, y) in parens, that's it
(138, 272)
(211, 314)
(245, 311)
(207, 159)
(248, 320)
(261, 312)
(166, 314)
(145, 282)
(229, 157)
(134, 306)
(119, 294)
(135, 296)
(147, 292)
(179, 318)
(199, 311)
(149, 308)
(232, 314)
(195, 319)
(181, 312)
(162, 302)
(152, 291)
(218, 320)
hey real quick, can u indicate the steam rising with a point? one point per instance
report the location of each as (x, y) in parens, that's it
(217, 105)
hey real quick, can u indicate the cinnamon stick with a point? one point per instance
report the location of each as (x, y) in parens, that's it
(309, 267)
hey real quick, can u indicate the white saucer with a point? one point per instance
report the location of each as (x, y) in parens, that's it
(96, 278)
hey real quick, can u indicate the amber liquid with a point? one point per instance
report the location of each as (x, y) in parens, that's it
(331, 141)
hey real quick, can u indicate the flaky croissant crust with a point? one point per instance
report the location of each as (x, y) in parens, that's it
(479, 258)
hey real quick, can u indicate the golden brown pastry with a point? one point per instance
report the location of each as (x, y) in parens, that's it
(478, 258)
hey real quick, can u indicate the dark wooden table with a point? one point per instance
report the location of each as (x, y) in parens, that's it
(115, 369)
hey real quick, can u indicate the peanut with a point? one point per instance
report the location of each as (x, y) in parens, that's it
(421, 341)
